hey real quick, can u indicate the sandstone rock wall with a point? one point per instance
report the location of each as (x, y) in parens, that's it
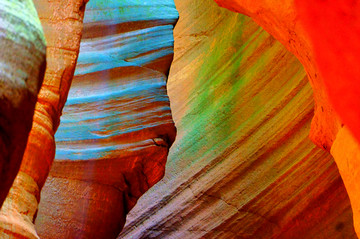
(22, 64)
(242, 165)
(116, 128)
(62, 24)
(324, 36)
(281, 20)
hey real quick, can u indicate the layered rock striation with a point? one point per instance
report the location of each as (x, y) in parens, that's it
(324, 36)
(22, 65)
(242, 165)
(281, 20)
(62, 24)
(116, 128)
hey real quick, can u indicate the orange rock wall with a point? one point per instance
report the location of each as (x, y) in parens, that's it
(280, 19)
(22, 64)
(62, 24)
(324, 36)
(116, 128)
(333, 28)
(242, 165)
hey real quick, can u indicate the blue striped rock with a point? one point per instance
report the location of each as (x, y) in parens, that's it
(116, 128)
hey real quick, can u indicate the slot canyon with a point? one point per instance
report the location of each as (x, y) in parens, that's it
(179, 119)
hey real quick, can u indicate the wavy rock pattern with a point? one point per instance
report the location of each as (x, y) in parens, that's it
(62, 24)
(242, 165)
(340, 71)
(116, 127)
(324, 36)
(281, 20)
(22, 65)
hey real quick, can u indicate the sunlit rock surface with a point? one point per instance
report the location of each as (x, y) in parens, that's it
(22, 65)
(62, 24)
(281, 20)
(335, 25)
(116, 128)
(324, 36)
(242, 165)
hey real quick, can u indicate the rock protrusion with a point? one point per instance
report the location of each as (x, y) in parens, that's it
(22, 66)
(62, 24)
(116, 128)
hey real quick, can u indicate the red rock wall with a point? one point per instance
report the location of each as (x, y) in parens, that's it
(22, 64)
(62, 24)
(333, 28)
(242, 165)
(324, 36)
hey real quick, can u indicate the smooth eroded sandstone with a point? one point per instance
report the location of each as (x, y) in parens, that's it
(62, 24)
(22, 65)
(116, 128)
(346, 151)
(242, 165)
(324, 36)
(281, 20)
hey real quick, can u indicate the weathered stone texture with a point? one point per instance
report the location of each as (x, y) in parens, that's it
(116, 128)
(242, 165)
(22, 65)
(324, 36)
(62, 24)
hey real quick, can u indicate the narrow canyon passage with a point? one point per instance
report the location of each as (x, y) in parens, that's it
(241, 164)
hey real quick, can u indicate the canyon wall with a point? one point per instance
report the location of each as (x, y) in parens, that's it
(62, 24)
(324, 36)
(242, 165)
(116, 128)
(22, 65)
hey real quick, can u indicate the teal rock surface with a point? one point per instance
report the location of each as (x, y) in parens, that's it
(116, 128)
